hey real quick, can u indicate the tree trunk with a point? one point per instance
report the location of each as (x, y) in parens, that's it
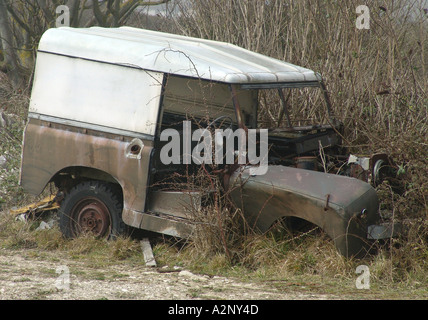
(11, 61)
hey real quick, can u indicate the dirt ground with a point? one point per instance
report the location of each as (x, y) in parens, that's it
(24, 275)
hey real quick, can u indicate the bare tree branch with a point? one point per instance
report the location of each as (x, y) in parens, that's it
(10, 55)
(22, 23)
(48, 14)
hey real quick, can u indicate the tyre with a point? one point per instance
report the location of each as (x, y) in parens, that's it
(92, 207)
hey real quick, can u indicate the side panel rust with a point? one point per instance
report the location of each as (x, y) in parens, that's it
(50, 148)
(343, 207)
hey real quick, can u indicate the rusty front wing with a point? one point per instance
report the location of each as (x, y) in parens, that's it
(343, 207)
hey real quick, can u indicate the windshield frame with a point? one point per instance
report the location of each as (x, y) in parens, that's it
(293, 85)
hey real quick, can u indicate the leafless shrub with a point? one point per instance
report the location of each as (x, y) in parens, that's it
(377, 77)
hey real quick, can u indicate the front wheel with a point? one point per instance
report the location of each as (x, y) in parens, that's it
(92, 207)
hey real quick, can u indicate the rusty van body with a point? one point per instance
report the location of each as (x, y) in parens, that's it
(102, 97)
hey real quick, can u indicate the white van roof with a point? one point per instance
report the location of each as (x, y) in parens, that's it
(174, 54)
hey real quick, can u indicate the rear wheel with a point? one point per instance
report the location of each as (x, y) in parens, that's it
(92, 207)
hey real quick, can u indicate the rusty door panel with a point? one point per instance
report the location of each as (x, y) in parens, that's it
(341, 206)
(50, 148)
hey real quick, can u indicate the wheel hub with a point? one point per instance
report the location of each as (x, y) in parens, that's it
(92, 216)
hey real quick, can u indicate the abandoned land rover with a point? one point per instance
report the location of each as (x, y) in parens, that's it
(113, 118)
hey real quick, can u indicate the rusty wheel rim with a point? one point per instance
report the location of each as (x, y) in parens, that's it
(91, 216)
